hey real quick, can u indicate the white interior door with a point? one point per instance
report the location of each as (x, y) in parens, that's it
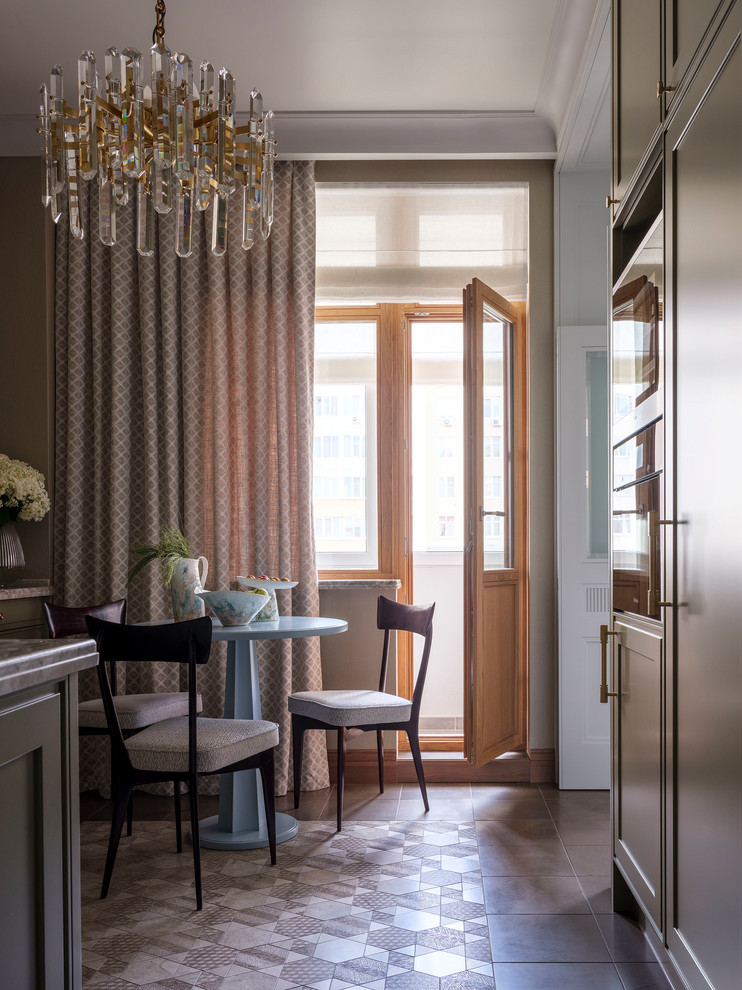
(583, 528)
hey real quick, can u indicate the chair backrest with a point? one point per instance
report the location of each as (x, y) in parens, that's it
(174, 642)
(65, 621)
(394, 616)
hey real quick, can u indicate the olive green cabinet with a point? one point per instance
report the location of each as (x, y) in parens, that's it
(686, 25)
(636, 115)
(677, 676)
(23, 618)
(40, 934)
(703, 182)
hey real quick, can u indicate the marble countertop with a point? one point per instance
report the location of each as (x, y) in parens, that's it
(26, 663)
(28, 588)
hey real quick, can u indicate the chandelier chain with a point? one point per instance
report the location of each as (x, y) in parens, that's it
(158, 35)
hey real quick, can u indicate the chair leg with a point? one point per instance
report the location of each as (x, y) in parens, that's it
(195, 834)
(268, 779)
(415, 748)
(178, 818)
(130, 814)
(380, 754)
(121, 802)
(340, 777)
(297, 734)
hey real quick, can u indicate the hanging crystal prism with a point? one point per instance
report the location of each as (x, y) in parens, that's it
(160, 184)
(206, 135)
(219, 224)
(145, 221)
(248, 220)
(254, 148)
(112, 142)
(225, 133)
(266, 177)
(162, 119)
(181, 91)
(184, 217)
(56, 123)
(87, 160)
(106, 207)
(132, 113)
(46, 146)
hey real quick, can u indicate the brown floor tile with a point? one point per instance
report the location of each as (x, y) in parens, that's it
(556, 976)
(445, 810)
(578, 806)
(582, 833)
(625, 940)
(534, 895)
(535, 859)
(598, 892)
(494, 806)
(546, 938)
(514, 832)
(643, 976)
(590, 860)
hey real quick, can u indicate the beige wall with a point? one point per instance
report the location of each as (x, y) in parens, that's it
(26, 393)
(359, 652)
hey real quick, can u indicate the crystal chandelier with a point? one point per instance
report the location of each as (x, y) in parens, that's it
(153, 140)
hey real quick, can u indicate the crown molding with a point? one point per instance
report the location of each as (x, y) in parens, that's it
(371, 135)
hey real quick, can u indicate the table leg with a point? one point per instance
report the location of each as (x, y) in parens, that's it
(240, 823)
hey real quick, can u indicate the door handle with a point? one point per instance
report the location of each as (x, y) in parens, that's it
(605, 694)
(490, 512)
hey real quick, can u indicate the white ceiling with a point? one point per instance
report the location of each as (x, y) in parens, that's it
(347, 78)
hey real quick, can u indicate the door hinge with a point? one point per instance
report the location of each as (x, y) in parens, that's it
(405, 546)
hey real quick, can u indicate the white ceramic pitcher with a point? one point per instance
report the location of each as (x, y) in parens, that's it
(186, 581)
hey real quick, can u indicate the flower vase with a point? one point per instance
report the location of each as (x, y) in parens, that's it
(11, 551)
(188, 578)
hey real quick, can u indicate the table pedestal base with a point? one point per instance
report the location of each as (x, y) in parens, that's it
(213, 837)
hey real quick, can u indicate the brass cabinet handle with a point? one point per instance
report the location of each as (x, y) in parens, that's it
(610, 202)
(662, 88)
(1, 616)
(605, 694)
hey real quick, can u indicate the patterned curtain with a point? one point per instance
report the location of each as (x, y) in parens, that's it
(184, 397)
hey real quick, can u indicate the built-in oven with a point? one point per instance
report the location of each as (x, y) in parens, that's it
(637, 509)
(637, 338)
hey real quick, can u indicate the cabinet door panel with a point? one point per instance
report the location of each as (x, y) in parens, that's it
(686, 24)
(637, 767)
(636, 71)
(704, 164)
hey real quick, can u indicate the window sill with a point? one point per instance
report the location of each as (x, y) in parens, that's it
(359, 584)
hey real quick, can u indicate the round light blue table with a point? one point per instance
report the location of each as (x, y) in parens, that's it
(240, 823)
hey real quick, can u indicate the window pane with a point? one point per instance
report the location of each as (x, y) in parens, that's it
(437, 438)
(497, 431)
(345, 510)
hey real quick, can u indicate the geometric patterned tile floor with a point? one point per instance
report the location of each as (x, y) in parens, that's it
(511, 892)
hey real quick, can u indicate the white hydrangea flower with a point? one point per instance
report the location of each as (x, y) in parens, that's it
(22, 491)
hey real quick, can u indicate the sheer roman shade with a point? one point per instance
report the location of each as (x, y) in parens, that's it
(415, 242)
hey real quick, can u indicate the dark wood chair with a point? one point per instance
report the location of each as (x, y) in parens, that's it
(353, 711)
(135, 711)
(181, 749)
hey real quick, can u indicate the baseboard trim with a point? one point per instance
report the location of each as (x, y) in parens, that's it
(516, 768)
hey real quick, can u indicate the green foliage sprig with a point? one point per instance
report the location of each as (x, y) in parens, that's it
(171, 548)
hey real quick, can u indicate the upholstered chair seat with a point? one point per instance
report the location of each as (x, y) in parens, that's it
(351, 708)
(220, 741)
(135, 711)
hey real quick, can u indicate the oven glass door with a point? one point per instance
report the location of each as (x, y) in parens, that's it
(637, 338)
(636, 548)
